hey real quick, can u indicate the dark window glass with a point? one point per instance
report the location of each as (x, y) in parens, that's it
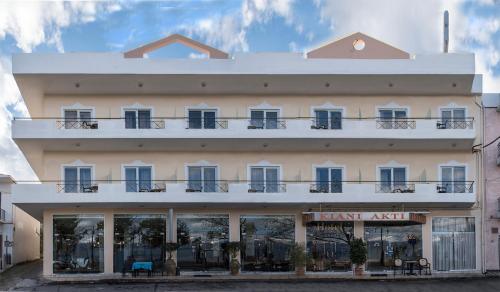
(130, 120)
(194, 119)
(257, 119)
(70, 119)
(139, 238)
(271, 120)
(144, 117)
(78, 244)
(322, 119)
(70, 179)
(202, 240)
(336, 180)
(209, 120)
(322, 179)
(336, 120)
(266, 242)
(328, 246)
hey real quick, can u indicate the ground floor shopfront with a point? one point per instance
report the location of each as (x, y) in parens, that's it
(111, 240)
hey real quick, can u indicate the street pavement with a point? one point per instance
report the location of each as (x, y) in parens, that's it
(26, 277)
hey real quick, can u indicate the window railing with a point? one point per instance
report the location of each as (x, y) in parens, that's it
(267, 124)
(147, 124)
(396, 124)
(207, 187)
(267, 187)
(72, 124)
(447, 187)
(206, 124)
(332, 124)
(463, 123)
(395, 187)
(3, 215)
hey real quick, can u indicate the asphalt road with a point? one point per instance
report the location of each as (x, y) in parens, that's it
(27, 278)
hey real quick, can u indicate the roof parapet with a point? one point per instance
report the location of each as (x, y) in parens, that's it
(212, 53)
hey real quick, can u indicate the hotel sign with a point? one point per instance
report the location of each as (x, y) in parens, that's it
(362, 216)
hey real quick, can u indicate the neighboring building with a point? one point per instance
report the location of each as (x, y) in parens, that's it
(356, 138)
(491, 103)
(19, 232)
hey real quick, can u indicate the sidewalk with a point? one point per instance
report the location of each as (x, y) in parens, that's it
(23, 275)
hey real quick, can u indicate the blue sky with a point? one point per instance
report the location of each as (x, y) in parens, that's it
(233, 26)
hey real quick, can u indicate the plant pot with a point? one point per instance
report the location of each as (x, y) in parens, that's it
(171, 267)
(235, 267)
(300, 271)
(358, 270)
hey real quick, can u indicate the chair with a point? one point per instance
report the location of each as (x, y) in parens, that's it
(423, 264)
(398, 264)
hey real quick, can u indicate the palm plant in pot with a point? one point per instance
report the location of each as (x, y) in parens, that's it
(233, 248)
(358, 252)
(298, 258)
(171, 265)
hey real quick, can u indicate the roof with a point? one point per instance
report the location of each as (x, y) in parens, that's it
(7, 179)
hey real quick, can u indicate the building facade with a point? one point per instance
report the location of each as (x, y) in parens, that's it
(19, 232)
(353, 139)
(491, 103)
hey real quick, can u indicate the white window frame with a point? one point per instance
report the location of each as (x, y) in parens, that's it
(78, 164)
(203, 111)
(454, 163)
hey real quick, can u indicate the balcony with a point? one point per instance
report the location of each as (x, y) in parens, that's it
(242, 134)
(234, 193)
(3, 216)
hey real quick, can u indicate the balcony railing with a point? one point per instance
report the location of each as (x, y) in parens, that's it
(395, 187)
(72, 124)
(267, 124)
(152, 186)
(326, 187)
(77, 187)
(3, 215)
(207, 187)
(206, 123)
(455, 187)
(464, 123)
(263, 187)
(396, 124)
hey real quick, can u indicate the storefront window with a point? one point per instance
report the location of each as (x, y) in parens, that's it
(202, 240)
(453, 243)
(78, 243)
(328, 246)
(391, 240)
(139, 238)
(266, 242)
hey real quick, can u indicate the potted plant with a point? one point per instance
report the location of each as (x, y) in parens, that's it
(233, 248)
(171, 265)
(298, 258)
(358, 252)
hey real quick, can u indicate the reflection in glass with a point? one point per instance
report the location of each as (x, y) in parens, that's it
(78, 244)
(328, 246)
(266, 242)
(202, 240)
(139, 238)
(391, 240)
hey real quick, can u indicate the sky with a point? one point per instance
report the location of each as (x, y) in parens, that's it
(232, 26)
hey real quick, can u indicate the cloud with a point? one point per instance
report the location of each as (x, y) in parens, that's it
(31, 24)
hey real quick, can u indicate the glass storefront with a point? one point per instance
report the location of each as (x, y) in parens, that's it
(453, 243)
(328, 246)
(266, 242)
(391, 240)
(202, 240)
(78, 244)
(139, 238)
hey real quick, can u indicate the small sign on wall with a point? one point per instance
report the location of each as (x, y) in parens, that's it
(8, 243)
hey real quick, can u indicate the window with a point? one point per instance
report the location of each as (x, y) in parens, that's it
(392, 179)
(137, 119)
(76, 119)
(202, 178)
(201, 119)
(328, 180)
(264, 179)
(393, 119)
(453, 179)
(264, 119)
(138, 179)
(78, 243)
(453, 119)
(77, 179)
(453, 243)
(328, 119)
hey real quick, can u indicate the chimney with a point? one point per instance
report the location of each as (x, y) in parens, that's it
(446, 33)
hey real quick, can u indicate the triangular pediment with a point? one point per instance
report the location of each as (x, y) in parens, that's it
(358, 46)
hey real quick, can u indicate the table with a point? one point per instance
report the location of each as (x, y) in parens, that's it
(145, 266)
(411, 264)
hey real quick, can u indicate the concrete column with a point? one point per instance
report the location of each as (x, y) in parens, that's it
(300, 229)
(234, 229)
(47, 243)
(427, 239)
(359, 229)
(108, 242)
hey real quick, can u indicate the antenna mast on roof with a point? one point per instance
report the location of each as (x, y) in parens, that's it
(446, 32)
